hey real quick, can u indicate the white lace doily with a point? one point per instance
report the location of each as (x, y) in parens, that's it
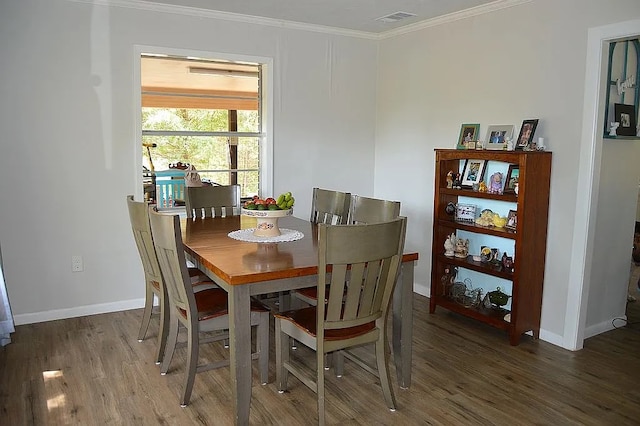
(247, 235)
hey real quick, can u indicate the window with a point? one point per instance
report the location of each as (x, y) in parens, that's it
(200, 112)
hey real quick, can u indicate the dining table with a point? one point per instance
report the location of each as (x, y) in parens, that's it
(247, 268)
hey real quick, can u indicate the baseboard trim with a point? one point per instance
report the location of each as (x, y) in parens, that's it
(604, 326)
(78, 311)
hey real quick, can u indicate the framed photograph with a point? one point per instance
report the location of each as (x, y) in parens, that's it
(526, 133)
(466, 213)
(512, 220)
(473, 172)
(513, 174)
(497, 136)
(626, 116)
(468, 133)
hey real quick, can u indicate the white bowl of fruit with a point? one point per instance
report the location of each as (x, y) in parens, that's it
(267, 212)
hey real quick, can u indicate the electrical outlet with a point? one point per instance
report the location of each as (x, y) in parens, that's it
(76, 264)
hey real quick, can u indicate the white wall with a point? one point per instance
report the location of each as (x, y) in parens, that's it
(523, 62)
(67, 115)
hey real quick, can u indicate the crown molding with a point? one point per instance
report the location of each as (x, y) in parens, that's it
(291, 25)
(456, 16)
(228, 16)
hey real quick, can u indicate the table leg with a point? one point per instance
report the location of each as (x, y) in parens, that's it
(403, 324)
(240, 351)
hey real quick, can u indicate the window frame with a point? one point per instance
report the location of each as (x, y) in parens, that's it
(265, 137)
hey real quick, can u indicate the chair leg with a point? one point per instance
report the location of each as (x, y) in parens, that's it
(170, 346)
(146, 315)
(282, 356)
(284, 301)
(193, 347)
(163, 329)
(337, 358)
(320, 357)
(382, 360)
(262, 346)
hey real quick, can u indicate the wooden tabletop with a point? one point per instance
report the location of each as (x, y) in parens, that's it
(207, 240)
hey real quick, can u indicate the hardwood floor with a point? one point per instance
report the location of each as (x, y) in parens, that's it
(93, 371)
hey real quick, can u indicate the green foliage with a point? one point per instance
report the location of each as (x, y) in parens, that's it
(204, 152)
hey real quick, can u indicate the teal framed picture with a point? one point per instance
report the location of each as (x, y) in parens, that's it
(468, 133)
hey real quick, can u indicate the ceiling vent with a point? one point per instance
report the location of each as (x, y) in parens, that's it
(395, 17)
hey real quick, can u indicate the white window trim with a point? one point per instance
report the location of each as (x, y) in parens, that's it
(266, 148)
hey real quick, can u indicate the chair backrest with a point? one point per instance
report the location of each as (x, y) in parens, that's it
(167, 240)
(372, 210)
(212, 200)
(139, 217)
(330, 207)
(169, 187)
(364, 261)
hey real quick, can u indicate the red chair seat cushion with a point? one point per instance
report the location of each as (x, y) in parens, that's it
(305, 319)
(212, 303)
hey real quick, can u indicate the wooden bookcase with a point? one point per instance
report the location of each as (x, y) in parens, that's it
(529, 238)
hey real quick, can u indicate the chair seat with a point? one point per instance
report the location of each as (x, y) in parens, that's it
(212, 303)
(311, 293)
(305, 319)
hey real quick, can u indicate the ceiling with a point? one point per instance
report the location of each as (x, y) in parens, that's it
(355, 15)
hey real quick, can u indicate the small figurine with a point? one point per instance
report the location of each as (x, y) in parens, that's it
(457, 181)
(497, 298)
(507, 262)
(449, 245)
(486, 218)
(462, 248)
(448, 279)
(510, 146)
(613, 129)
(495, 184)
(450, 179)
(515, 188)
(482, 187)
(450, 208)
(485, 254)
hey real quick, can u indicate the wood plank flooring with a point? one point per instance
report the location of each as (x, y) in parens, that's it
(93, 371)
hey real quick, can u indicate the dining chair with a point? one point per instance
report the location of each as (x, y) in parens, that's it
(203, 312)
(362, 210)
(154, 284)
(364, 261)
(331, 207)
(212, 200)
(372, 210)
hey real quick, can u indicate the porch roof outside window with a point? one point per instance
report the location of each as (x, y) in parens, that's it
(191, 83)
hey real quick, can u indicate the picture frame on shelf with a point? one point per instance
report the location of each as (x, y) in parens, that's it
(468, 133)
(527, 130)
(473, 172)
(513, 174)
(512, 220)
(497, 136)
(626, 116)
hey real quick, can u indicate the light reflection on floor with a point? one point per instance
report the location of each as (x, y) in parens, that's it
(59, 400)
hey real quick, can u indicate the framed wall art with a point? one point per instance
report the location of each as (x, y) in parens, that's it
(526, 133)
(497, 136)
(468, 133)
(473, 172)
(626, 116)
(622, 88)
